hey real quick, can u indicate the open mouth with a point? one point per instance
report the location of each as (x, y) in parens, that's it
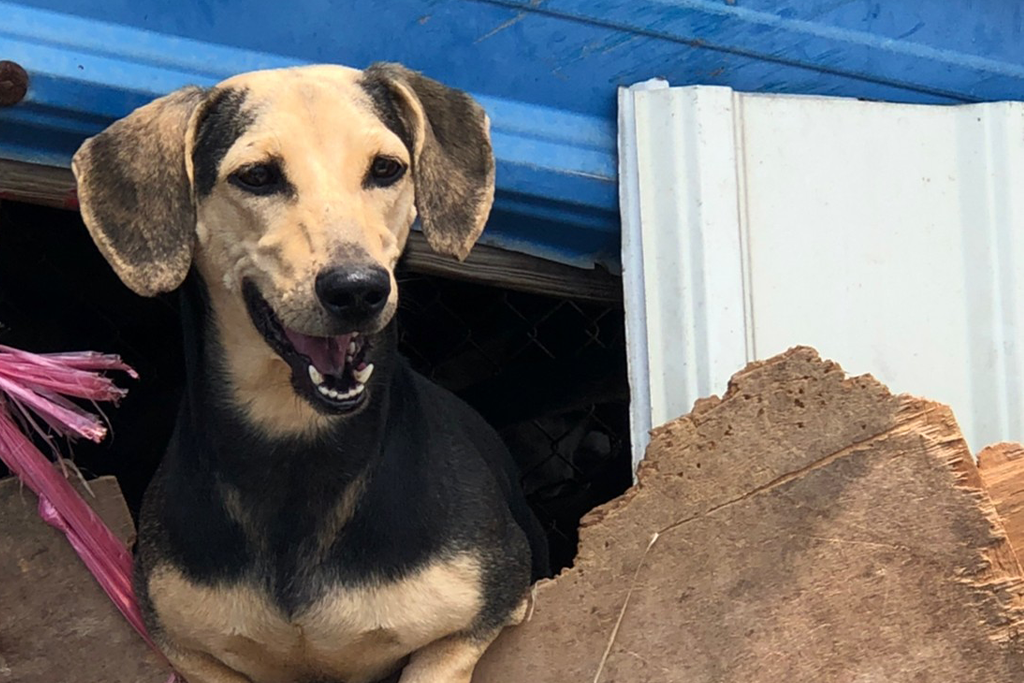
(331, 372)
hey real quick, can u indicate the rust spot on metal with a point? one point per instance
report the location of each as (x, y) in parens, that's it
(13, 83)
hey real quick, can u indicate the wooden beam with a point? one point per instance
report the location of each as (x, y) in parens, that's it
(45, 185)
(55, 187)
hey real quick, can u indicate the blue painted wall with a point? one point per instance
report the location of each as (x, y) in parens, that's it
(546, 69)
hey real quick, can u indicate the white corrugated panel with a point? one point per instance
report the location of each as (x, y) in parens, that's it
(633, 271)
(889, 237)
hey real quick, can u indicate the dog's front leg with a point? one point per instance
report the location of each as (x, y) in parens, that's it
(452, 659)
(200, 667)
(449, 660)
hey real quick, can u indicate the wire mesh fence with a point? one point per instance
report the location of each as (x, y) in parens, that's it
(548, 373)
(58, 294)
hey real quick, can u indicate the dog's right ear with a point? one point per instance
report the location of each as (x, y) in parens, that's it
(135, 193)
(448, 134)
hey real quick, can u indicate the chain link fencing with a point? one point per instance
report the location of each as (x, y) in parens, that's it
(549, 373)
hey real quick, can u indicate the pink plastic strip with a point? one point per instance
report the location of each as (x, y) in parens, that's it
(37, 384)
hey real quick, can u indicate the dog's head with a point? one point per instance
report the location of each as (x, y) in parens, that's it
(293, 192)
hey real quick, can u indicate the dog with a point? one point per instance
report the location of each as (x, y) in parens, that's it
(323, 512)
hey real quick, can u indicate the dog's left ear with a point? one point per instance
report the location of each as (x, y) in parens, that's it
(452, 162)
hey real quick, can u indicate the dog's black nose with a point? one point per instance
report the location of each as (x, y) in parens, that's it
(354, 294)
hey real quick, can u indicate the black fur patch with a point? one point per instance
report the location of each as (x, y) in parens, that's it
(437, 480)
(222, 121)
(386, 107)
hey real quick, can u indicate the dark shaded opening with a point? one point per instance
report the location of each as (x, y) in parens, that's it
(549, 373)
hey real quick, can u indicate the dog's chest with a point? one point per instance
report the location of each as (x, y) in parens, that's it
(349, 634)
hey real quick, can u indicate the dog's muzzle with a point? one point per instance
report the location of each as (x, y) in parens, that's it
(332, 372)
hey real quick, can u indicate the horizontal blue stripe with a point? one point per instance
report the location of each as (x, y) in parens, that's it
(545, 71)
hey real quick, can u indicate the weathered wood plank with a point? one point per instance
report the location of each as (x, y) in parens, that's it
(806, 527)
(56, 623)
(45, 185)
(55, 187)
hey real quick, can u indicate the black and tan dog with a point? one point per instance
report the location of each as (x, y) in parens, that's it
(323, 513)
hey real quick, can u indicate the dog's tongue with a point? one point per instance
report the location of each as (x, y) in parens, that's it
(326, 353)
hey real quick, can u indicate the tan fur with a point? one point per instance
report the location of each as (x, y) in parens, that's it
(453, 659)
(199, 667)
(260, 382)
(449, 660)
(353, 634)
(323, 127)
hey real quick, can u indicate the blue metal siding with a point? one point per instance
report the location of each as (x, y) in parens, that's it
(546, 70)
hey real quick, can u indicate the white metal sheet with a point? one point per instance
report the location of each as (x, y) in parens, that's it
(890, 237)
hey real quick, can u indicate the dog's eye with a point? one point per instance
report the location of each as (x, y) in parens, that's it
(258, 178)
(386, 170)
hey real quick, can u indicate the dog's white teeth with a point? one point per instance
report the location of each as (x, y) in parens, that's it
(351, 348)
(338, 395)
(351, 393)
(363, 375)
(315, 375)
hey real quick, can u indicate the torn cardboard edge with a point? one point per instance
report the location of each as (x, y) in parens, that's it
(806, 526)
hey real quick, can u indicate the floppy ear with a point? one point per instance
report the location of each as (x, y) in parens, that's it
(452, 162)
(136, 196)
